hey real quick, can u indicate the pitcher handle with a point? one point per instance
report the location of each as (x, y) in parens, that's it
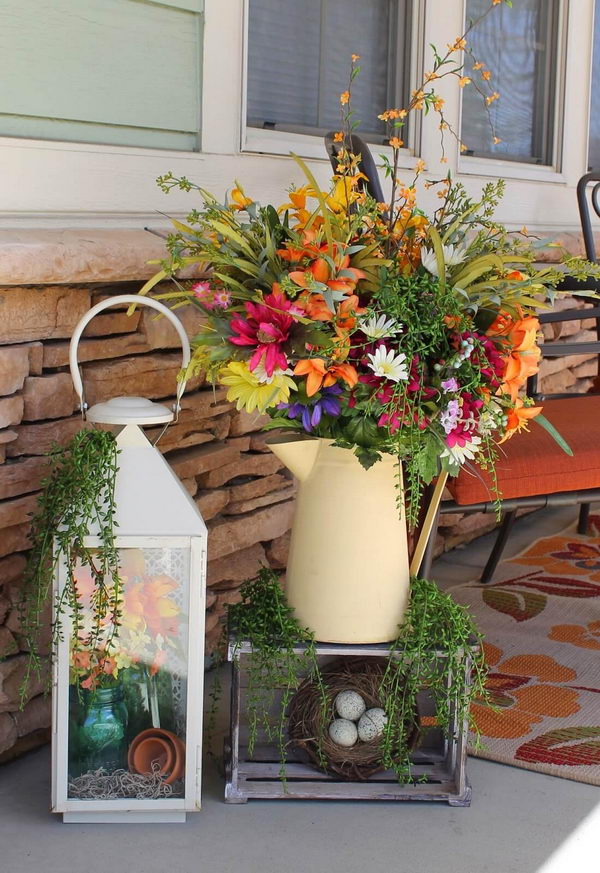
(115, 301)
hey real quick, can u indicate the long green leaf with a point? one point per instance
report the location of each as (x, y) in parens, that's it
(541, 419)
(438, 249)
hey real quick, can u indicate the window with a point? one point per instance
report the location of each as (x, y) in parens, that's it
(594, 140)
(121, 72)
(299, 59)
(520, 47)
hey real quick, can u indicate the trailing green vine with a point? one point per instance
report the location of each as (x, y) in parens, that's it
(77, 500)
(438, 648)
(275, 667)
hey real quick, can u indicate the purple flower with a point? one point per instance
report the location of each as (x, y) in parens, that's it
(310, 413)
(450, 384)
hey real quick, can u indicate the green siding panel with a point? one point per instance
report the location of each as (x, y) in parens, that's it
(121, 71)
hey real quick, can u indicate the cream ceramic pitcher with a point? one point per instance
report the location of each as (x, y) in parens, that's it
(348, 569)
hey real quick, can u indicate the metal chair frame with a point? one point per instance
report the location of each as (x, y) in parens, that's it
(550, 350)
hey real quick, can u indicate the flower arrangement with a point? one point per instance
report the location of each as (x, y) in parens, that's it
(149, 620)
(375, 325)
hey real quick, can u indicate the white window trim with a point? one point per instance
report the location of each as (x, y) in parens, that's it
(507, 169)
(278, 142)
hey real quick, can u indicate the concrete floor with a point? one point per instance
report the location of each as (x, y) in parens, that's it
(519, 822)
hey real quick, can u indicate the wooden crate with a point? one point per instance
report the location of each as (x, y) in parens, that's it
(439, 764)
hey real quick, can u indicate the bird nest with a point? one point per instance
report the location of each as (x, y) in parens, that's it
(312, 709)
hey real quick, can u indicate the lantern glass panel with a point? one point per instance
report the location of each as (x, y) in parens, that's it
(128, 681)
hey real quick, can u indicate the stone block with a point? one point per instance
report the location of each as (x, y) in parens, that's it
(49, 312)
(11, 570)
(206, 402)
(39, 437)
(211, 620)
(194, 461)
(8, 732)
(4, 607)
(160, 333)
(153, 376)
(14, 366)
(191, 431)
(247, 422)
(211, 503)
(12, 674)
(21, 477)
(211, 599)
(473, 525)
(237, 567)
(57, 354)
(35, 715)
(11, 410)
(35, 351)
(50, 396)
(14, 539)
(8, 644)
(263, 525)
(113, 321)
(17, 511)
(190, 485)
(277, 551)
(247, 465)
(256, 487)
(237, 507)
(558, 382)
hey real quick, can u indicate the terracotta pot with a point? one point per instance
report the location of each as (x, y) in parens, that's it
(156, 744)
(348, 571)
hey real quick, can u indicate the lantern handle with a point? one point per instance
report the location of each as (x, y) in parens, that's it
(115, 301)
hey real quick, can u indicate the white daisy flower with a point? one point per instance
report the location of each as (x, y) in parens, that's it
(388, 365)
(459, 454)
(379, 328)
(453, 255)
(261, 374)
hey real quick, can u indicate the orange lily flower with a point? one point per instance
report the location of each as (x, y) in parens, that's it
(240, 201)
(518, 418)
(523, 358)
(319, 375)
(321, 272)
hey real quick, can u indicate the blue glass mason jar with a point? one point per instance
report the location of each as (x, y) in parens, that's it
(102, 734)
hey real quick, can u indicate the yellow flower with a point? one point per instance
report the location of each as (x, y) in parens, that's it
(463, 80)
(486, 75)
(240, 201)
(338, 136)
(249, 393)
(497, 140)
(420, 166)
(492, 97)
(344, 97)
(355, 58)
(479, 65)
(438, 103)
(396, 143)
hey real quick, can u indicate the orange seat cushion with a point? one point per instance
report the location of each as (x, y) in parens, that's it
(533, 463)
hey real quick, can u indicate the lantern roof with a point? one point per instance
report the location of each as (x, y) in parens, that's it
(149, 498)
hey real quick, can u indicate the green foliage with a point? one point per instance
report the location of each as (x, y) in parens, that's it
(265, 620)
(433, 623)
(77, 496)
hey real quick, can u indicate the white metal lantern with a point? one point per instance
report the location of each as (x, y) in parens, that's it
(131, 750)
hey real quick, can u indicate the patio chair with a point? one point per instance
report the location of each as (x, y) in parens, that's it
(533, 471)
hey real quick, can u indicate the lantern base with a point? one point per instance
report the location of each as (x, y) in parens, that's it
(164, 816)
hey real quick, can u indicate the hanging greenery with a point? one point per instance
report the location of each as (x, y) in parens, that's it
(77, 499)
(283, 652)
(438, 648)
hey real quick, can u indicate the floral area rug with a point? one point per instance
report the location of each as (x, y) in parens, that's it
(541, 621)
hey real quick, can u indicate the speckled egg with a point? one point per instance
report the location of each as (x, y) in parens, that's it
(343, 732)
(371, 724)
(350, 705)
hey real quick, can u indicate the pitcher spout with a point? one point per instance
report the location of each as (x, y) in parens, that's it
(298, 454)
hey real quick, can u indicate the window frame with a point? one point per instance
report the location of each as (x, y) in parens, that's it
(471, 165)
(255, 140)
